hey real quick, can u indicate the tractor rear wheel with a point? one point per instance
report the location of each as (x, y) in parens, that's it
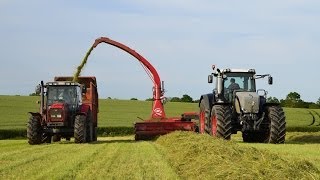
(34, 131)
(221, 122)
(90, 128)
(277, 128)
(204, 116)
(80, 129)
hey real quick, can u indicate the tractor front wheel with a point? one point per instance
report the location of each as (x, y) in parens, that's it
(277, 132)
(34, 131)
(80, 129)
(220, 124)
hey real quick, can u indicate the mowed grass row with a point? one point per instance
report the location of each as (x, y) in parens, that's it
(14, 113)
(179, 155)
(107, 159)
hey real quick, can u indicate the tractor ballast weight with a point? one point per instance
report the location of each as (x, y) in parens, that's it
(158, 123)
(236, 105)
(67, 109)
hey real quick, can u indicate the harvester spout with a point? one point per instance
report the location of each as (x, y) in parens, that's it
(157, 108)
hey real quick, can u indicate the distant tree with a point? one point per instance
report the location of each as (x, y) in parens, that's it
(196, 101)
(34, 94)
(109, 98)
(186, 98)
(293, 100)
(273, 100)
(149, 99)
(133, 99)
(293, 96)
(318, 102)
(175, 99)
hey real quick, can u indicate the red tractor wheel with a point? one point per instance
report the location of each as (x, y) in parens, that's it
(213, 130)
(204, 116)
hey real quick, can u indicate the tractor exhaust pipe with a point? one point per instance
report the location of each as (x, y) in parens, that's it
(42, 97)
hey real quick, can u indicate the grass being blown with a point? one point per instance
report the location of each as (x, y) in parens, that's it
(197, 156)
(80, 67)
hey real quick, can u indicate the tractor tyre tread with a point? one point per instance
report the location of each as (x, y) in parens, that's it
(34, 131)
(80, 129)
(224, 122)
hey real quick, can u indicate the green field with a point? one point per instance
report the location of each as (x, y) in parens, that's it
(14, 113)
(179, 155)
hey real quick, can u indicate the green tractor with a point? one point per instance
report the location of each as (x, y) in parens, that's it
(236, 105)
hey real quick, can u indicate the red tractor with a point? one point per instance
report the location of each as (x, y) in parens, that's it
(67, 109)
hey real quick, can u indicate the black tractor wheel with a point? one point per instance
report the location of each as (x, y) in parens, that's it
(277, 125)
(204, 117)
(89, 127)
(80, 129)
(220, 124)
(34, 131)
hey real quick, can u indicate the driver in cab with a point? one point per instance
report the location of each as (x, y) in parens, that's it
(233, 85)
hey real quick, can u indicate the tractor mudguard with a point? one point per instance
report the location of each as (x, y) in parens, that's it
(35, 114)
(84, 109)
(208, 99)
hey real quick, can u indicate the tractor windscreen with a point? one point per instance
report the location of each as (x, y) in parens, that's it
(63, 94)
(239, 81)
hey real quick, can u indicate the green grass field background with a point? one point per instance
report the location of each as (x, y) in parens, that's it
(123, 113)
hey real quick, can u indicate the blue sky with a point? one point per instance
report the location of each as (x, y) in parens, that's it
(181, 38)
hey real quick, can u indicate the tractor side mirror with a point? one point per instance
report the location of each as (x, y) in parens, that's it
(270, 80)
(84, 89)
(210, 78)
(38, 89)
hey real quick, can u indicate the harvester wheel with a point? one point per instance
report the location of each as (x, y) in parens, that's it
(80, 129)
(204, 116)
(277, 129)
(34, 131)
(221, 122)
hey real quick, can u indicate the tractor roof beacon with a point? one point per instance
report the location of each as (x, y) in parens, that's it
(237, 105)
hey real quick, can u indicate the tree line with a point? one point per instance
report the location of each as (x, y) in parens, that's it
(293, 100)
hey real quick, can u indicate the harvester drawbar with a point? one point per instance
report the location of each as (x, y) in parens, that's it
(158, 123)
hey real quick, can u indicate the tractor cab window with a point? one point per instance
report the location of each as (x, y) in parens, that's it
(238, 82)
(65, 94)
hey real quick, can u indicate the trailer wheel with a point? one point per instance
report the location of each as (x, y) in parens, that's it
(277, 128)
(80, 129)
(220, 124)
(204, 116)
(34, 131)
